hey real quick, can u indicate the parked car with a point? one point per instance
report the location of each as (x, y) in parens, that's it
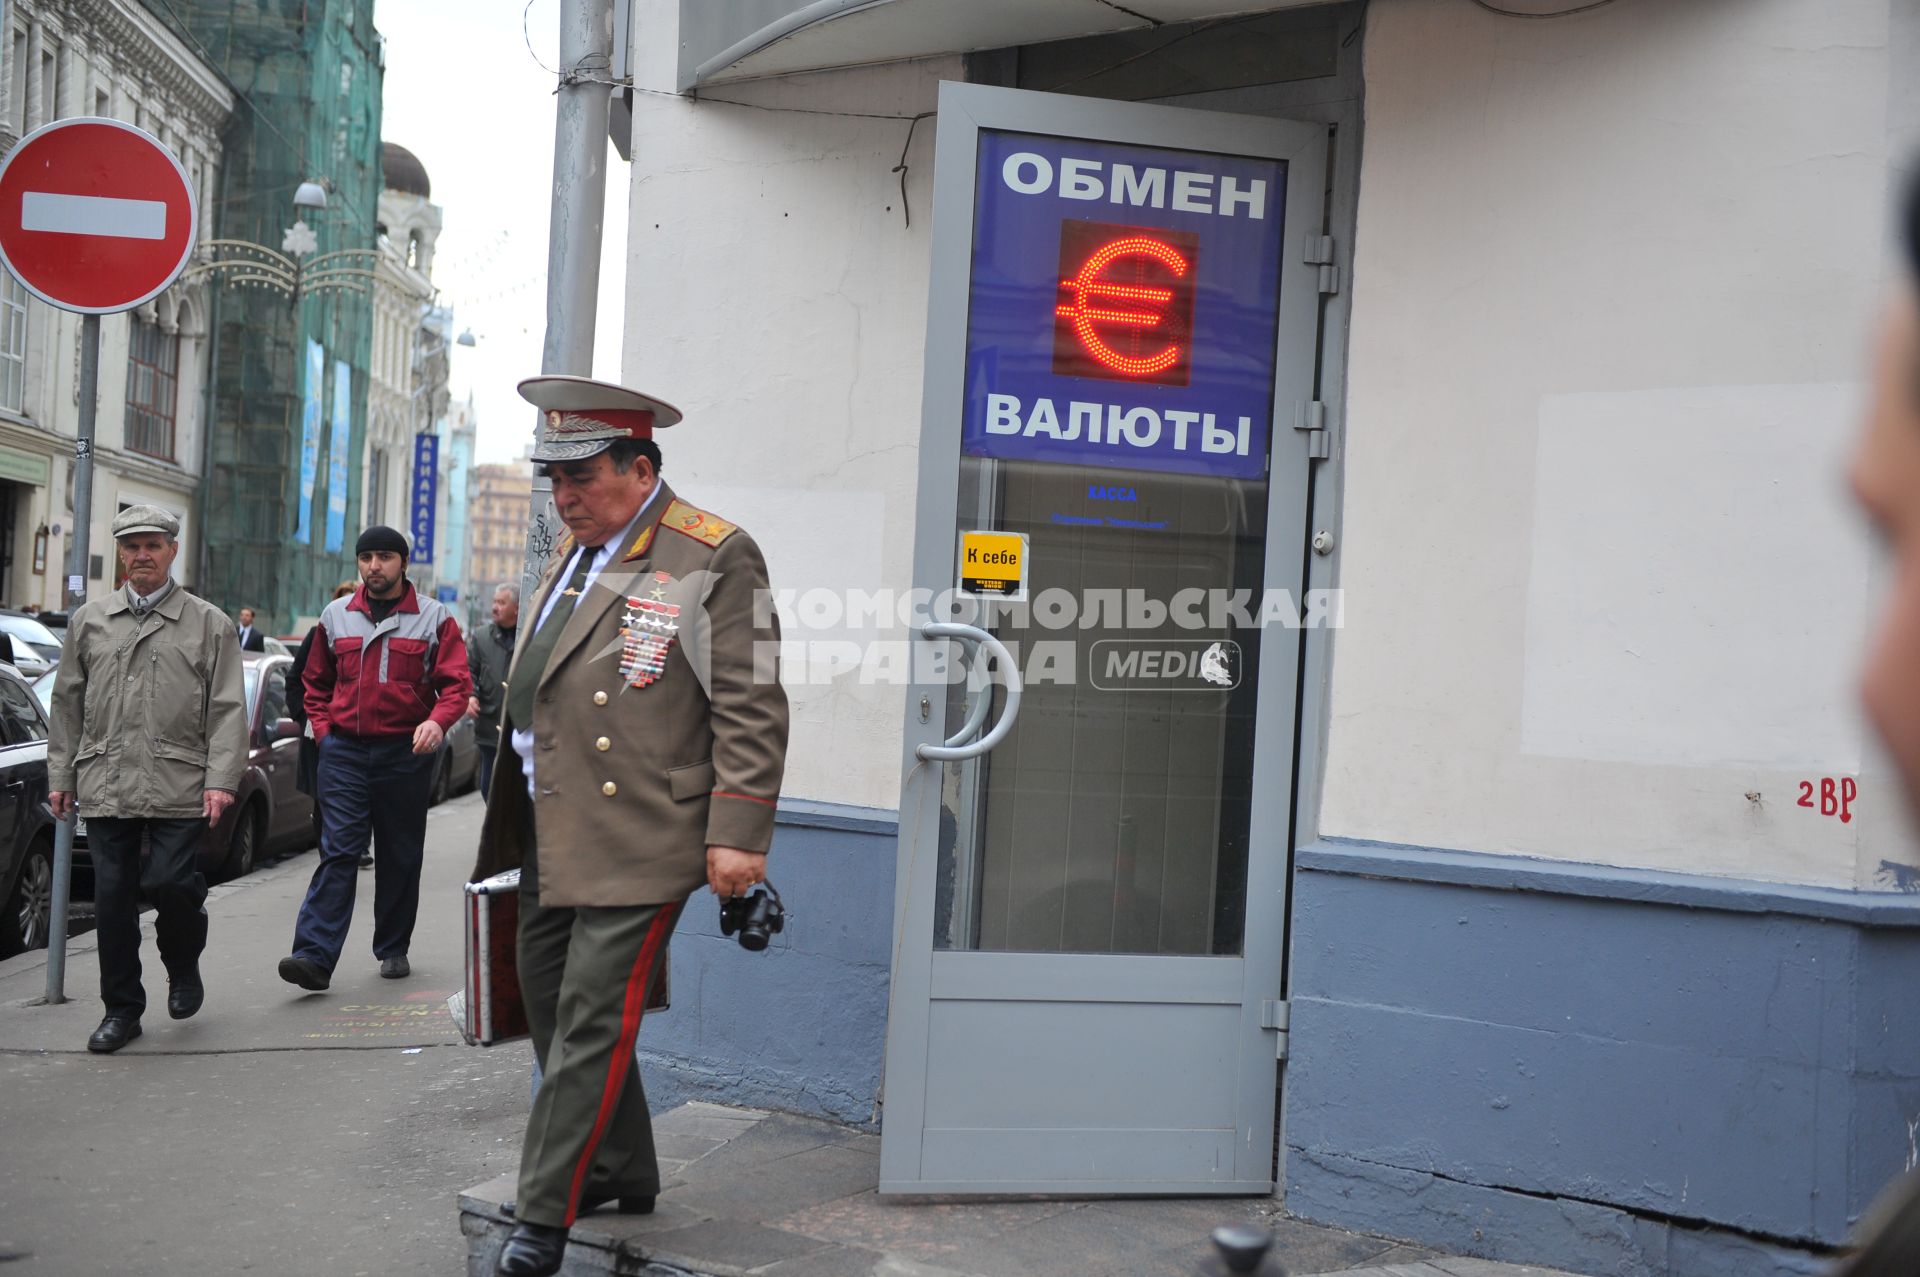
(26, 821)
(36, 649)
(56, 623)
(458, 767)
(269, 813)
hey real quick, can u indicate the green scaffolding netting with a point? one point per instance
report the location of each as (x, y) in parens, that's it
(307, 77)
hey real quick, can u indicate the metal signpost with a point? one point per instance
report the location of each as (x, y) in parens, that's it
(96, 217)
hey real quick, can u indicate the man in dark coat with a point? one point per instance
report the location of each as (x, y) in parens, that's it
(489, 654)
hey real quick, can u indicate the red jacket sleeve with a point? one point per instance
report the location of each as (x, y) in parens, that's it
(451, 677)
(317, 682)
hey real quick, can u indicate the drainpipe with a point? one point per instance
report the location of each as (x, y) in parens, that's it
(573, 230)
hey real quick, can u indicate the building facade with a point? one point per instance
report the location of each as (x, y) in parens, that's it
(284, 455)
(1518, 876)
(106, 58)
(459, 428)
(496, 540)
(409, 344)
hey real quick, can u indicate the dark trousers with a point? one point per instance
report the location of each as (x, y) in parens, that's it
(167, 878)
(487, 752)
(585, 974)
(369, 791)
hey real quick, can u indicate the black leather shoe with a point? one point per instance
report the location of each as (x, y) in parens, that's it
(185, 994)
(532, 1250)
(114, 1032)
(306, 973)
(395, 968)
(588, 1205)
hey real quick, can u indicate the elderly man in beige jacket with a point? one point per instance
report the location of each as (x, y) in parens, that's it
(149, 739)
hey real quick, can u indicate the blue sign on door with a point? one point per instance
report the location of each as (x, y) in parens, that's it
(1123, 305)
(425, 483)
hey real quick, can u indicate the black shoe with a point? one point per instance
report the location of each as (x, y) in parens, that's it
(395, 968)
(532, 1250)
(588, 1205)
(185, 994)
(366, 861)
(114, 1032)
(306, 973)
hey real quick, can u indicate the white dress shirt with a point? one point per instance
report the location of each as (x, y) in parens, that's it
(522, 738)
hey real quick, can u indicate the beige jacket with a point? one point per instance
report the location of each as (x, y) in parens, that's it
(638, 774)
(148, 714)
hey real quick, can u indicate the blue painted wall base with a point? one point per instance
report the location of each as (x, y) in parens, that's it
(1602, 1070)
(802, 1026)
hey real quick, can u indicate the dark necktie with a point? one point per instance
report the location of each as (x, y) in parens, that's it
(533, 662)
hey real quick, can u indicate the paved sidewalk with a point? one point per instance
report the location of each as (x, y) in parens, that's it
(331, 1135)
(304, 1135)
(771, 1195)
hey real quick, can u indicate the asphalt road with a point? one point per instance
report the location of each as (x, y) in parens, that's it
(323, 1134)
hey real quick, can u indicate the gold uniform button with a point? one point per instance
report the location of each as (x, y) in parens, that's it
(603, 744)
(609, 789)
(599, 698)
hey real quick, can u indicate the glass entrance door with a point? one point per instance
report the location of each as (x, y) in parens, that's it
(1114, 817)
(1092, 881)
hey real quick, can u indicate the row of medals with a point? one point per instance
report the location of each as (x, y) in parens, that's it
(648, 632)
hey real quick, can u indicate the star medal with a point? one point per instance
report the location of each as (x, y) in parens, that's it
(650, 626)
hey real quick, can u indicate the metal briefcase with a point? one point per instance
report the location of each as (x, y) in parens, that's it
(489, 1010)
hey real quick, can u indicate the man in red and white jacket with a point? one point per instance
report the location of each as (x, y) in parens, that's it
(385, 681)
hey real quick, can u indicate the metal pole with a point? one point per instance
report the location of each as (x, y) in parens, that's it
(78, 549)
(573, 230)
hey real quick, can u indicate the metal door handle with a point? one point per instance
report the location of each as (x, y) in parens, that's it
(1009, 679)
(977, 716)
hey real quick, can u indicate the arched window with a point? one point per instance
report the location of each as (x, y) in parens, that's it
(153, 373)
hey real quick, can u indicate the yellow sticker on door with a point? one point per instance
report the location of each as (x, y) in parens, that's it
(994, 565)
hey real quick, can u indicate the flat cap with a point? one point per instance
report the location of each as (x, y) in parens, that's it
(586, 417)
(145, 518)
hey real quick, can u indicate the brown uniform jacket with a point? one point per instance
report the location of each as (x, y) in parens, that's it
(636, 775)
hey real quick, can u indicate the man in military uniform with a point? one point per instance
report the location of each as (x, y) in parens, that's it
(646, 729)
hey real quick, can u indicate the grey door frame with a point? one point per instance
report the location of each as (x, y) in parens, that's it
(1254, 979)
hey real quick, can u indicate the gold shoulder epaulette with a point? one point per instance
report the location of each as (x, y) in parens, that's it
(709, 529)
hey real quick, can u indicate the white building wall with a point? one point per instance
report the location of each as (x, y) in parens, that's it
(1613, 279)
(776, 295)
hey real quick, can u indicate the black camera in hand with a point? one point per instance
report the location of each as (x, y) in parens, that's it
(757, 916)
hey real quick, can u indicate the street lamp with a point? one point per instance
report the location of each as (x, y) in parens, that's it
(240, 261)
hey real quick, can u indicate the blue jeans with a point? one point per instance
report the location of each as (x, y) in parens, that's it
(370, 792)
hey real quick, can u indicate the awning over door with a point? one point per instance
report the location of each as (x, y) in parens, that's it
(722, 40)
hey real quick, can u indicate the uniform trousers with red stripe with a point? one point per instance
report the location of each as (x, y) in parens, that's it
(585, 974)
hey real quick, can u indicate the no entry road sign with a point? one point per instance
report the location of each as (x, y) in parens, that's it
(96, 216)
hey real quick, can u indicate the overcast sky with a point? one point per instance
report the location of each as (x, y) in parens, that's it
(464, 93)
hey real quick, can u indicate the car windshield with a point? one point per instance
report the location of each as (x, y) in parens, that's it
(32, 633)
(252, 673)
(43, 690)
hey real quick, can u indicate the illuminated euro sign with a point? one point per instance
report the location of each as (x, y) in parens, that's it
(1092, 296)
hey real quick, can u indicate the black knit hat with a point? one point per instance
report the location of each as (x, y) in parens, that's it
(380, 537)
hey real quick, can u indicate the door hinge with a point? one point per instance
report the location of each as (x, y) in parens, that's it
(1273, 1016)
(1320, 253)
(1311, 417)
